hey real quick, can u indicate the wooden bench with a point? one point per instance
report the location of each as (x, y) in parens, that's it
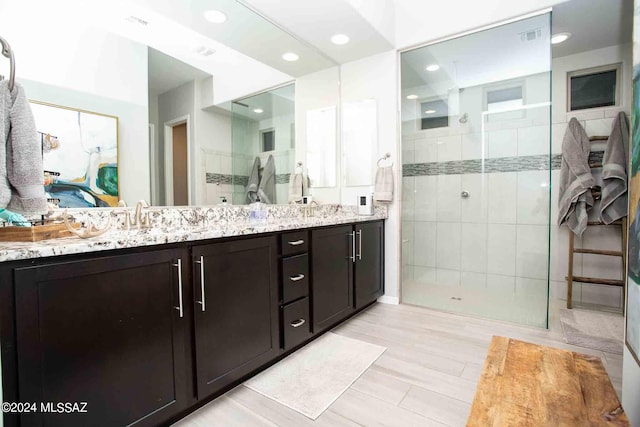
(524, 384)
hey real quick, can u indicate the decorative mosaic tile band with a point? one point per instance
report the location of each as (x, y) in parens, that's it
(502, 164)
(282, 178)
(219, 178)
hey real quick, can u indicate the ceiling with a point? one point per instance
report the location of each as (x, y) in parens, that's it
(166, 72)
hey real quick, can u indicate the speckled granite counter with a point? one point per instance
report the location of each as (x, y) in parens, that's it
(171, 225)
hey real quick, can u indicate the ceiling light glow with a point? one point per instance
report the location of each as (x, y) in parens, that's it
(559, 38)
(430, 111)
(215, 16)
(290, 56)
(412, 96)
(433, 67)
(258, 110)
(340, 39)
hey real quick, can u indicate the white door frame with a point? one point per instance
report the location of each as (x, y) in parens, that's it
(168, 158)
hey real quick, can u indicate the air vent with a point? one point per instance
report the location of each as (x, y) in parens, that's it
(136, 21)
(529, 36)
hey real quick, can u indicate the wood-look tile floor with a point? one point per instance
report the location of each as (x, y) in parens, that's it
(427, 376)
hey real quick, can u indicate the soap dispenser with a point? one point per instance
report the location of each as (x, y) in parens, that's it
(257, 213)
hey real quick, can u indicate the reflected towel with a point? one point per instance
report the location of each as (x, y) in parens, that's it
(297, 187)
(384, 185)
(267, 188)
(21, 170)
(254, 181)
(576, 180)
(614, 172)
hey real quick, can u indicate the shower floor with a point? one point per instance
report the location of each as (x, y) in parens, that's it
(526, 309)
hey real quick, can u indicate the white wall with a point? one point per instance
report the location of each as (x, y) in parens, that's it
(631, 387)
(375, 77)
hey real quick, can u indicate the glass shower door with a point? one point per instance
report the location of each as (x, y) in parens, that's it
(476, 173)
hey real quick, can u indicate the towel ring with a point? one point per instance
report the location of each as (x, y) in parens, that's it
(385, 157)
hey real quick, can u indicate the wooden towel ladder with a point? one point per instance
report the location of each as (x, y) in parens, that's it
(610, 282)
(622, 253)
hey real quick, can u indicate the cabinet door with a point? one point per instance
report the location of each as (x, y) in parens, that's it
(332, 273)
(104, 331)
(369, 267)
(236, 310)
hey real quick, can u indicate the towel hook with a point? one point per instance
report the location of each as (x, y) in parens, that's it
(6, 51)
(385, 157)
(298, 167)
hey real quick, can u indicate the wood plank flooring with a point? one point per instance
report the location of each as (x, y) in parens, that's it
(427, 376)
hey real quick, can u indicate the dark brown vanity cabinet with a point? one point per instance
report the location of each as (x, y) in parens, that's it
(369, 262)
(235, 310)
(348, 270)
(294, 308)
(332, 268)
(108, 331)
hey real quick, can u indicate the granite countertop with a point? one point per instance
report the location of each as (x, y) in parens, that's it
(171, 225)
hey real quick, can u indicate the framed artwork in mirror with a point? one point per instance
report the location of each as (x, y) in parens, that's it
(80, 155)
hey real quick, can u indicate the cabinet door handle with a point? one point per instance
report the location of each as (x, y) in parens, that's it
(352, 256)
(201, 262)
(298, 323)
(296, 242)
(180, 306)
(359, 244)
(296, 278)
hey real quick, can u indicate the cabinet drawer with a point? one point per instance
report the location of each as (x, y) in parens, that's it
(295, 277)
(296, 325)
(295, 243)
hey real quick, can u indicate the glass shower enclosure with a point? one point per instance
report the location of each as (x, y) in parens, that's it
(476, 157)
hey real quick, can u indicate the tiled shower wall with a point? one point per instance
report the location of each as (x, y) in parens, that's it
(497, 238)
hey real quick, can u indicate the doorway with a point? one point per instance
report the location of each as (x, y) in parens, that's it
(177, 160)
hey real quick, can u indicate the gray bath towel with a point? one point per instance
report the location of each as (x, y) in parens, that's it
(254, 181)
(267, 188)
(384, 185)
(614, 172)
(21, 170)
(576, 179)
(297, 187)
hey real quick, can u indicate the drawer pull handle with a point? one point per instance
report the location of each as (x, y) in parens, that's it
(296, 278)
(298, 323)
(296, 242)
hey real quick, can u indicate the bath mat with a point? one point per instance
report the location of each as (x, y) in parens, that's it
(593, 329)
(311, 379)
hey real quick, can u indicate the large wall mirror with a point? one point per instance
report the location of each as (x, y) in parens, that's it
(170, 77)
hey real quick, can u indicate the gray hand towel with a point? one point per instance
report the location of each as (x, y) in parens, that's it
(614, 172)
(254, 181)
(21, 170)
(384, 185)
(576, 179)
(267, 188)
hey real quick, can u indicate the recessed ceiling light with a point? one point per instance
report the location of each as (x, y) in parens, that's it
(430, 111)
(215, 16)
(290, 56)
(258, 110)
(559, 38)
(412, 96)
(433, 67)
(340, 39)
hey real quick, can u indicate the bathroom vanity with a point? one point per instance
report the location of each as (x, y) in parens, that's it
(148, 332)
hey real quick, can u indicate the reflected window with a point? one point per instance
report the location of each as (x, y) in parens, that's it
(593, 88)
(434, 114)
(504, 102)
(268, 139)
